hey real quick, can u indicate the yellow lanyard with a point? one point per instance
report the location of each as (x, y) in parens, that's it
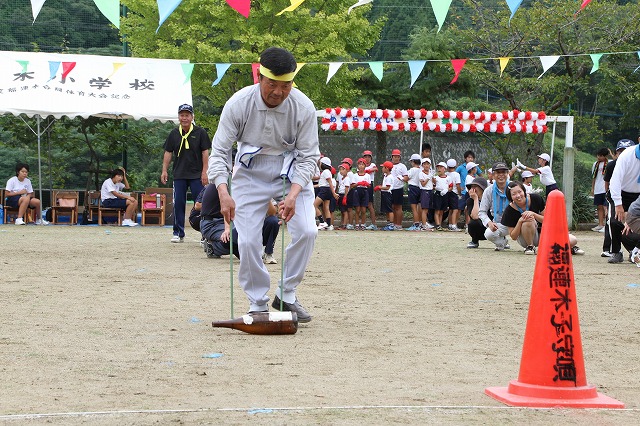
(184, 141)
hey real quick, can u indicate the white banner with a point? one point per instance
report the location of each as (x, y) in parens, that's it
(83, 85)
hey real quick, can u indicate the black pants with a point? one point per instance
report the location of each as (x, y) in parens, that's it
(476, 230)
(616, 227)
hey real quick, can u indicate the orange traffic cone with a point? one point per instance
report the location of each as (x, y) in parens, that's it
(552, 365)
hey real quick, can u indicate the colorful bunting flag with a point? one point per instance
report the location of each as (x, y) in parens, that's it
(440, 10)
(24, 65)
(547, 62)
(377, 69)
(67, 67)
(294, 5)
(116, 67)
(360, 3)
(36, 5)
(243, 7)
(503, 64)
(221, 69)
(513, 6)
(166, 8)
(53, 69)
(333, 68)
(110, 9)
(255, 70)
(187, 69)
(457, 64)
(595, 57)
(584, 4)
(415, 67)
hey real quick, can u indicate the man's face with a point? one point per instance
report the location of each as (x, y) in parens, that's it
(185, 118)
(500, 176)
(274, 92)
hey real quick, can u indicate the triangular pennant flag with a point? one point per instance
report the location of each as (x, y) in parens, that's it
(53, 69)
(638, 66)
(67, 67)
(243, 7)
(255, 70)
(547, 62)
(221, 69)
(595, 57)
(360, 3)
(415, 67)
(36, 5)
(457, 64)
(503, 64)
(513, 7)
(376, 68)
(166, 8)
(333, 68)
(116, 67)
(294, 5)
(187, 69)
(110, 9)
(440, 10)
(24, 65)
(584, 4)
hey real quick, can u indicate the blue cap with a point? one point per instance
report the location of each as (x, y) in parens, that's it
(624, 144)
(185, 107)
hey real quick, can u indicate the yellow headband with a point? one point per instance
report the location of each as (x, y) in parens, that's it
(284, 77)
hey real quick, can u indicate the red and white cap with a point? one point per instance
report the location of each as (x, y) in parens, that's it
(396, 152)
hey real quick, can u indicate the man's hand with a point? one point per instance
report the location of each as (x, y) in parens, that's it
(164, 177)
(204, 178)
(227, 205)
(224, 237)
(620, 213)
(492, 226)
(287, 207)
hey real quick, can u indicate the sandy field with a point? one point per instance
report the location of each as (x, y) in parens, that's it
(108, 325)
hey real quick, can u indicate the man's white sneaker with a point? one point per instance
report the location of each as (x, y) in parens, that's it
(176, 239)
(129, 222)
(322, 225)
(269, 259)
(20, 221)
(329, 228)
(41, 222)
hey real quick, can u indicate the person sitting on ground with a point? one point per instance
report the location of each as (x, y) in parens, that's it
(19, 195)
(524, 216)
(476, 229)
(113, 198)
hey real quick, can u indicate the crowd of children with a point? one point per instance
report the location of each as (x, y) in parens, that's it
(437, 195)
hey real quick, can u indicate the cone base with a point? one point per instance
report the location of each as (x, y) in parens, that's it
(519, 394)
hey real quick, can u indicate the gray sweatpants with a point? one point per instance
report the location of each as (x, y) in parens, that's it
(252, 189)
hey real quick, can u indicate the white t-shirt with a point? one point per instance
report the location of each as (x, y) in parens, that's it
(371, 169)
(546, 176)
(387, 181)
(343, 182)
(325, 176)
(428, 177)
(14, 185)
(397, 172)
(362, 178)
(528, 188)
(454, 177)
(598, 187)
(469, 179)
(414, 176)
(352, 178)
(108, 186)
(442, 184)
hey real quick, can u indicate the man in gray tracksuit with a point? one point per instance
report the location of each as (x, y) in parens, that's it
(494, 201)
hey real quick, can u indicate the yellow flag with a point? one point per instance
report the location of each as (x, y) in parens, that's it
(116, 67)
(294, 6)
(503, 64)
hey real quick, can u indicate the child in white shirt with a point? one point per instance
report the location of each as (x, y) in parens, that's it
(426, 192)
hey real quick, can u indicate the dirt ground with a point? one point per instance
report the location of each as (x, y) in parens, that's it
(108, 325)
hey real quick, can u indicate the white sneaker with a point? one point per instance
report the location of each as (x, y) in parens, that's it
(40, 222)
(269, 259)
(176, 239)
(322, 225)
(635, 256)
(20, 221)
(129, 222)
(329, 228)
(597, 228)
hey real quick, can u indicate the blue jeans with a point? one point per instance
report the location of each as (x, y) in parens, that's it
(180, 201)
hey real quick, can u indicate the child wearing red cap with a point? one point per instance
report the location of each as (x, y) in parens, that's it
(361, 196)
(385, 195)
(370, 168)
(414, 192)
(344, 186)
(426, 193)
(400, 175)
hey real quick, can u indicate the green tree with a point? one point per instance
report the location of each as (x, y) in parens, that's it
(208, 33)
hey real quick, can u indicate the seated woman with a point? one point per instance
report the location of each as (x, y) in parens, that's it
(113, 198)
(524, 216)
(19, 195)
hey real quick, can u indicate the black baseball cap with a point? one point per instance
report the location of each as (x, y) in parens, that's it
(185, 107)
(500, 165)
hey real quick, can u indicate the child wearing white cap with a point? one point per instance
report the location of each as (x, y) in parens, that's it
(326, 190)
(527, 178)
(454, 195)
(441, 184)
(546, 175)
(414, 191)
(426, 193)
